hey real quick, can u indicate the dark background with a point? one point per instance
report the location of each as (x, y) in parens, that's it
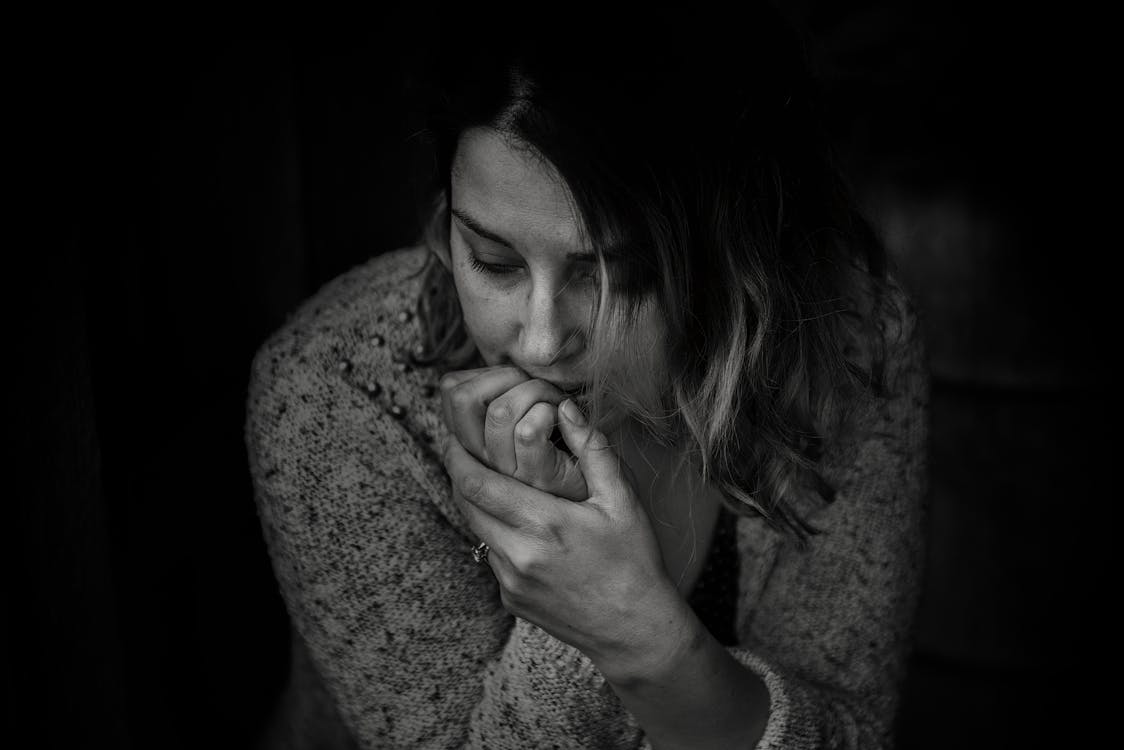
(189, 188)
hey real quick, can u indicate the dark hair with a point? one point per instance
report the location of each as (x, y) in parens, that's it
(695, 154)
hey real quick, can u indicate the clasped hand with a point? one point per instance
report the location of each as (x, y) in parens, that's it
(570, 545)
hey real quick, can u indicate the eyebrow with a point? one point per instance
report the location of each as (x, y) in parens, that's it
(482, 231)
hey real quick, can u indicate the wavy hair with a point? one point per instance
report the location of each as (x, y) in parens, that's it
(695, 157)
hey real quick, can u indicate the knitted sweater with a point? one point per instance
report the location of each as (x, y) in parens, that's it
(400, 640)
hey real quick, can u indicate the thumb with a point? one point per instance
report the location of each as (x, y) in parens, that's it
(598, 462)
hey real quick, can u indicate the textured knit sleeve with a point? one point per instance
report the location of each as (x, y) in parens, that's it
(828, 627)
(396, 620)
(408, 638)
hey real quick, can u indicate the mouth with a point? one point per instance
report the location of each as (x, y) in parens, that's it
(569, 388)
(574, 388)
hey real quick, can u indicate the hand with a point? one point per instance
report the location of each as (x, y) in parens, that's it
(589, 573)
(505, 419)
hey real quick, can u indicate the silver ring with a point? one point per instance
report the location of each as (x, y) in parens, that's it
(480, 553)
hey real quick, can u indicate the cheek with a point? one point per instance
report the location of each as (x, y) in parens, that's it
(485, 318)
(482, 312)
(638, 363)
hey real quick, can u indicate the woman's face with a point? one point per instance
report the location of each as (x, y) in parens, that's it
(525, 281)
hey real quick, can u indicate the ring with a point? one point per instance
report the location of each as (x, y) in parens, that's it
(480, 553)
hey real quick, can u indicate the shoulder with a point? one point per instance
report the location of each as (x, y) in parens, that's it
(379, 289)
(874, 459)
(332, 392)
(884, 331)
(900, 399)
(899, 322)
(887, 345)
(374, 300)
(367, 309)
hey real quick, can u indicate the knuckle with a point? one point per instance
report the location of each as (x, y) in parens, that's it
(447, 383)
(525, 562)
(597, 443)
(544, 534)
(544, 413)
(460, 398)
(472, 486)
(500, 414)
(526, 434)
(552, 533)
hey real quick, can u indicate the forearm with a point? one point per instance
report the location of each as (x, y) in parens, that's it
(694, 694)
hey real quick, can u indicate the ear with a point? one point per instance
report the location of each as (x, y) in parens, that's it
(440, 250)
(437, 231)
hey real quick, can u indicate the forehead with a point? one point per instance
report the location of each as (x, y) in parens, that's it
(511, 190)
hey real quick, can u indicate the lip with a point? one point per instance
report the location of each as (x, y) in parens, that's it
(570, 388)
(570, 382)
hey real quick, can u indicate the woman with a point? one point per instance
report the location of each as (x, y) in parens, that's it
(629, 452)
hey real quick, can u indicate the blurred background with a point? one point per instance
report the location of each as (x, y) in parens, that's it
(192, 187)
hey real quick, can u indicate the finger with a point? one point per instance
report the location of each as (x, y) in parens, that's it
(508, 410)
(539, 462)
(532, 436)
(506, 500)
(485, 527)
(465, 400)
(599, 463)
(491, 532)
(451, 380)
(461, 468)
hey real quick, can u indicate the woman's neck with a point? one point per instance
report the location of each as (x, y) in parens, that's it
(682, 509)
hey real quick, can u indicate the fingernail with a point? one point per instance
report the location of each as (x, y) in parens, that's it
(573, 413)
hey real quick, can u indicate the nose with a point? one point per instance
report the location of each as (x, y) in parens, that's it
(553, 332)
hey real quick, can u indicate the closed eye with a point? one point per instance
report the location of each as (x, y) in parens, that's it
(495, 269)
(585, 271)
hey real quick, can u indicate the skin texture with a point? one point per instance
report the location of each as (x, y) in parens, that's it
(533, 316)
(505, 420)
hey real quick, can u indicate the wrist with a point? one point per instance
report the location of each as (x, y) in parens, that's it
(668, 634)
